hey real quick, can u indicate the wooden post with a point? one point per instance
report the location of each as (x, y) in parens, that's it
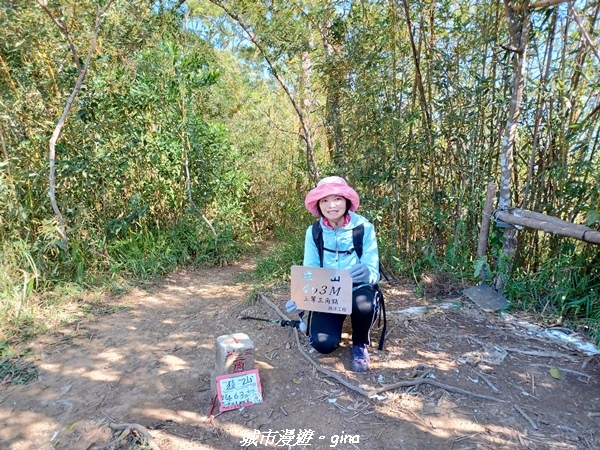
(484, 231)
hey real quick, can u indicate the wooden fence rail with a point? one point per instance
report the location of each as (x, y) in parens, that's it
(549, 224)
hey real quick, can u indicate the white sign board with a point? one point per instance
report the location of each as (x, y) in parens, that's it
(323, 290)
(239, 389)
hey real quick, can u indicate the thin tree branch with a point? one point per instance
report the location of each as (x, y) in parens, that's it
(188, 188)
(65, 30)
(278, 128)
(82, 71)
(584, 33)
(3, 143)
(546, 3)
(590, 115)
(419, 77)
(137, 427)
(518, 19)
(186, 147)
(526, 417)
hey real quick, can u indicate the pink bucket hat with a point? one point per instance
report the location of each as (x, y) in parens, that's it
(330, 186)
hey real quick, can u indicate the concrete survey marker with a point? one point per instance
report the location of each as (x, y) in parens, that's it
(486, 297)
(235, 354)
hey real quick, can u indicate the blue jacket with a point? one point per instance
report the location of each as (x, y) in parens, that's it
(341, 240)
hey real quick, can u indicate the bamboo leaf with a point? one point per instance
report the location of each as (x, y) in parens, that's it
(555, 373)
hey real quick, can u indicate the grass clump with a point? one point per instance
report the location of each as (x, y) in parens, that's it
(275, 265)
(17, 371)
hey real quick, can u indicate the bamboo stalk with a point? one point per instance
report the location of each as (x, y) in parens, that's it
(485, 220)
(583, 31)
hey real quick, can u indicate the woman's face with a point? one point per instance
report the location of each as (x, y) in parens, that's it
(333, 207)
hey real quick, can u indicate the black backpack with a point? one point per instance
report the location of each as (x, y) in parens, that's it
(357, 242)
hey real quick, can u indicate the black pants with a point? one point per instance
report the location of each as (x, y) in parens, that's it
(325, 329)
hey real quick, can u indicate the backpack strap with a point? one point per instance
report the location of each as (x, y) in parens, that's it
(381, 311)
(357, 239)
(317, 232)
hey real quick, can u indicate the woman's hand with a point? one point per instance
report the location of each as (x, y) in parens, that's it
(291, 307)
(359, 273)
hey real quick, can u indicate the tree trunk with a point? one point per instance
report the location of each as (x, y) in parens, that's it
(485, 226)
(335, 81)
(518, 18)
(538, 221)
(485, 220)
(306, 102)
(418, 76)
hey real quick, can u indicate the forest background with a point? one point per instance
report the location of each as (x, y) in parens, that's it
(137, 136)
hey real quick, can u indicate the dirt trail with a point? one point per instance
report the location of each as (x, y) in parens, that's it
(150, 363)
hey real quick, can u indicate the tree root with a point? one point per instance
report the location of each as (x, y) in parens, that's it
(126, 429)
(538, 353)
(372, 392)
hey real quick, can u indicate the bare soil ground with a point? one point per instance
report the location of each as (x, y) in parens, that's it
(150, 363)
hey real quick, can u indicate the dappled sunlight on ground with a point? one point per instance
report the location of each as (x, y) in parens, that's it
(151, 364)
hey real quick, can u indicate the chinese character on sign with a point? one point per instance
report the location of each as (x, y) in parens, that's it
(236, 390)
(239, 364)
(308, 275)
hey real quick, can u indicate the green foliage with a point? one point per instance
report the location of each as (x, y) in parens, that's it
(565, 288)
(481, 267)
(149, 253)
(18, 277)
(141, 166)
(287, 251)
(121, 225)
